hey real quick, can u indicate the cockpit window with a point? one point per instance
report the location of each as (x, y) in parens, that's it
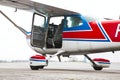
(73, 21)
(56, 20)
(90, 18)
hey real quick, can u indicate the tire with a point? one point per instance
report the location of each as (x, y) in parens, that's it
(41, 67)
(36, 67)
(98, 68)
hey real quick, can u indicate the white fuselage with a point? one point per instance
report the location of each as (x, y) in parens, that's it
(80, 47)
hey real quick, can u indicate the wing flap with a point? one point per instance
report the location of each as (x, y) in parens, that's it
(35, 6)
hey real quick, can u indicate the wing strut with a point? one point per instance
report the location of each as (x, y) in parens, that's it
(18, 27)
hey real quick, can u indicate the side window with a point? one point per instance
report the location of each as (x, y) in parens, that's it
(73, 21)
(39, 21)
(56, 20)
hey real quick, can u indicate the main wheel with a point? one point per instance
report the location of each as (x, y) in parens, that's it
(97, 68)
(41, 67)
(36, 67)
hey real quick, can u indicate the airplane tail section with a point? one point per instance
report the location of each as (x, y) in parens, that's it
(18, 27)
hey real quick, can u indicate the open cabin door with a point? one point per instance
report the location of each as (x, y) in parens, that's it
(38, 31)
(47, 34)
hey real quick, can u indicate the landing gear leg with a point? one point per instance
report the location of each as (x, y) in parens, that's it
(95, 66)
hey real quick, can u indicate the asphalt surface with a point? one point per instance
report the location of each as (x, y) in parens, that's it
(58, 71)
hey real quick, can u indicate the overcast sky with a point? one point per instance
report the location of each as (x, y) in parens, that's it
(13, 43)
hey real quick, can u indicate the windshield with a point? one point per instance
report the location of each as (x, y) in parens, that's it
(92, 18)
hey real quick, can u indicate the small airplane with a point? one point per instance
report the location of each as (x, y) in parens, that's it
(57, 32)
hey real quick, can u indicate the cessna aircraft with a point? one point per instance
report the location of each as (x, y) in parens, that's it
(59, 32)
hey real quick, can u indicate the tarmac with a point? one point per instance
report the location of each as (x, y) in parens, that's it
(58, 71)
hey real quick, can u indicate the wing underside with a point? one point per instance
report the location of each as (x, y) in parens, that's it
(36, 7)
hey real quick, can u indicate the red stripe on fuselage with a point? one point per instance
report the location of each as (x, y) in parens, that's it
(94, 33)
(110, 27)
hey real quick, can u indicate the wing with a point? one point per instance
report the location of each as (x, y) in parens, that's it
(38, 7)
